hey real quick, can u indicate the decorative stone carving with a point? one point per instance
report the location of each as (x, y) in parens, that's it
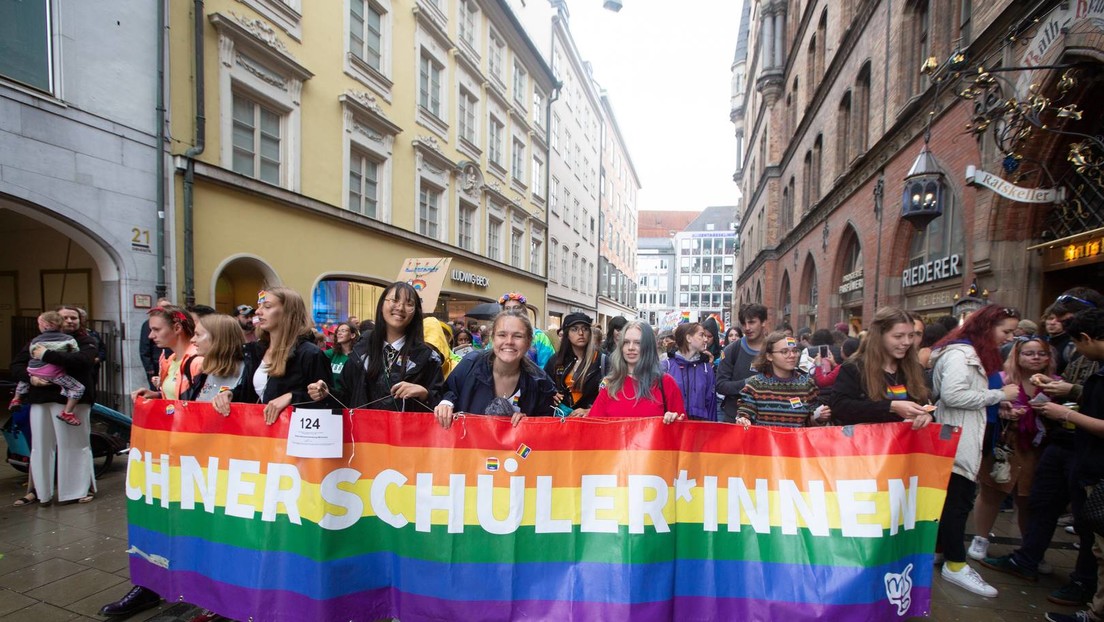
(366, 100)
(824, 235)
(261, 72)
(226, 50)
(295, 88)
(364, 130)
(430, 141)
(262, 31)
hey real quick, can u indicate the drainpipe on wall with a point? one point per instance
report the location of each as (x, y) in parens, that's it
(162, 268)
(190, 154)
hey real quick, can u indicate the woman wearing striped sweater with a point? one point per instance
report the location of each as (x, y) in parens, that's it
(779, 394)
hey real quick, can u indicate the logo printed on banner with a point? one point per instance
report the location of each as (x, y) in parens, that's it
(170, 409)
(899, 590)
(492, 464)
(523, 450)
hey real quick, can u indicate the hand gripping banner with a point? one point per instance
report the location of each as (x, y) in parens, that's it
(576, 520)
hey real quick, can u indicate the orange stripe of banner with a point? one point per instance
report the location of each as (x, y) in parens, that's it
(372, 458)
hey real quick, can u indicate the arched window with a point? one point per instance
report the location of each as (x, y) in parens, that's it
(784, 298)
(809, 293)
(818, 152)
(807, 182)
(861, 125)
(843, 134)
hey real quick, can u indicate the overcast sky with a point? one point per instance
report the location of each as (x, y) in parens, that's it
(667, 69)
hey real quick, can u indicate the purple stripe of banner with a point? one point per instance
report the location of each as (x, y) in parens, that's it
(261, 606)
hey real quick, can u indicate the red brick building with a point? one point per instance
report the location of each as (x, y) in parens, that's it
(833, 108)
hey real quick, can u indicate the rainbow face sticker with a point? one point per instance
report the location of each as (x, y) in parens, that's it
(790, 342)
(261, 295)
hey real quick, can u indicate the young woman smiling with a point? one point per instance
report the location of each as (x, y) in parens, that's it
(883, 381)
(779, 394)
(636, 385)
(392, 367)
(501, 380)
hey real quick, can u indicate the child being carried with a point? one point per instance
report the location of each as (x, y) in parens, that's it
(52, 339)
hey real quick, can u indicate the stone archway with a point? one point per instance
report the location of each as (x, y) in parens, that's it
(808, 294)
(238, 279)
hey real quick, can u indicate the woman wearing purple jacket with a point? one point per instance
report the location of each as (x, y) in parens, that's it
(693, 372)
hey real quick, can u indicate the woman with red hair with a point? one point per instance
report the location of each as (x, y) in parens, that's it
(967, 380)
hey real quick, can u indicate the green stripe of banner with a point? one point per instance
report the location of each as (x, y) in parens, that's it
(371, 535)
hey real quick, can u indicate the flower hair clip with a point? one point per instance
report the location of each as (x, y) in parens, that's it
(512, 296)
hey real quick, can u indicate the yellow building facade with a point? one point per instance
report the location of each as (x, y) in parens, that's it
(343, 137)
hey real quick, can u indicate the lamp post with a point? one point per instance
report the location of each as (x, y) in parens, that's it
(925, 186)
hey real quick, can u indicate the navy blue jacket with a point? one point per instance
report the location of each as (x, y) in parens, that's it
(470, 387)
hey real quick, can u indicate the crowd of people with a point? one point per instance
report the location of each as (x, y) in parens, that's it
(1029, 403)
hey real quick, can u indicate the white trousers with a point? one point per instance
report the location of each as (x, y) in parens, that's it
(71, 444)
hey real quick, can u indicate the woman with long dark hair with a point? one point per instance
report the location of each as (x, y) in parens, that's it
(883, 381)
(693, 371)
(391, 367)
(501, 380)
(967, 380)
(577, 367)
(713, 339)
(284, 359)
(613, 333)
(345, 337)
(636, 385)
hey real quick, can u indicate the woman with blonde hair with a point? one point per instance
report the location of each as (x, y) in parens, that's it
(219, 340)
(636, 385)
(883, 381)
(284, 359)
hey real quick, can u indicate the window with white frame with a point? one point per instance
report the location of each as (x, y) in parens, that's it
(429, 211)
(563, 264)
(429, 84)
(567, 148)
(517, 162)
(468, 22)
(494, 238)
(496, 57)
(365, 33)
(469, 106)
(26, 55)
(553, 249)
(363, 184)
(256, 140)
(537, 181)
(495, 131)
(553, 196)
(466, 230)
(555, 132)
(521, 82)
(538, 108)
(567, 205)
(536, 257)
(516, 237)
(575, 271)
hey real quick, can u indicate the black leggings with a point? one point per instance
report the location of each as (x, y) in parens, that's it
(952, 524)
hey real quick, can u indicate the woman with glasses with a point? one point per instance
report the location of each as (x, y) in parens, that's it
(284, 360)
(577, 368)
(636, 385)
(391, 367)
(883, 381)
(692, 370)
(779, 395)
(501, 380)
(1031, 361)
(967, 380)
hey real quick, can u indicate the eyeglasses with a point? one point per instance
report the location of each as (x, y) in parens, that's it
(1068, 298)
(787, 352)
(406, 304)
(579, 328)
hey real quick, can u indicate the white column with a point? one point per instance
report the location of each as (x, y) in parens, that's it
(766, 31)
(779, 39)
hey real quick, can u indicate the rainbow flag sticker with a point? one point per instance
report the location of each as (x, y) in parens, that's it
(170, 409)
(795, 403)
(523, 450)
(492, 464)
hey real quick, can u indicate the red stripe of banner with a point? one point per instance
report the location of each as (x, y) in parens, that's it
(422, 430)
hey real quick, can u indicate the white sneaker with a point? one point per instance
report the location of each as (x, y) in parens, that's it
(1045, 568)
(979, 548)
(969, 580)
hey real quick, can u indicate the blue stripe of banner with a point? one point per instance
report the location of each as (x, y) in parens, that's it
(589, 582)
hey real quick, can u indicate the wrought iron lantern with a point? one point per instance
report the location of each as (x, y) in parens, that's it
(925, 186)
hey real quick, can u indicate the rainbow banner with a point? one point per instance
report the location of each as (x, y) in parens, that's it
(576, 520)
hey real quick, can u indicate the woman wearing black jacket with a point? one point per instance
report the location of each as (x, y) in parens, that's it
(284, 359)
(577, 368)
(391, 367)
(883, 381)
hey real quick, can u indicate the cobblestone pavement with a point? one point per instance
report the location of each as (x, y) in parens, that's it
(64, 562)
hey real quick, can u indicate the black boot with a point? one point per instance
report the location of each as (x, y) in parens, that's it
(137, 599)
